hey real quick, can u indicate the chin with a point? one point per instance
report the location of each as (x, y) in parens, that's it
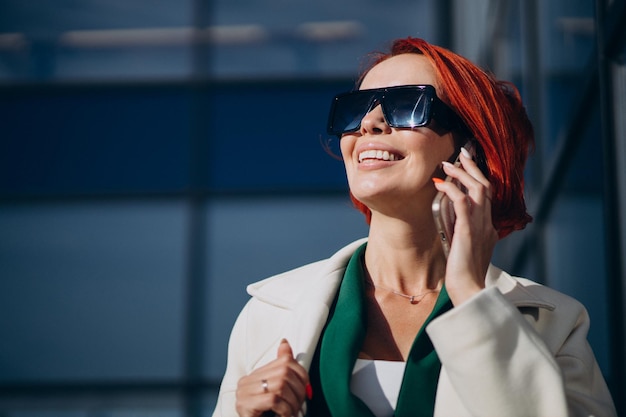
(373, 197)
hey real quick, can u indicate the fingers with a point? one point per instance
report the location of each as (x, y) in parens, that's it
(280, 387)
(286, 353)
(471, 167)
(284, 349)
(276, 388)
(472, 179)
(474, 233)
(473, 205)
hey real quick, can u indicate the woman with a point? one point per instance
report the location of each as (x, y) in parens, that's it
(392, 325)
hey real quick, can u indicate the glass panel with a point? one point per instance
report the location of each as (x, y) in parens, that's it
(567, 41)
(575, 240)
(124, 139)
(90, 39)
(162, 404)
(91, 291)
(251, 239)
(209, 401)
(246, 38)
(576, 265)
(270, 136)
(94, 140)
(323, 37)
(567, 31)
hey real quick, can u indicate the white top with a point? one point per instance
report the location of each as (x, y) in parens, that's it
(377, 384)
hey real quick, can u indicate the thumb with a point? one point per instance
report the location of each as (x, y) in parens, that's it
(284, 349)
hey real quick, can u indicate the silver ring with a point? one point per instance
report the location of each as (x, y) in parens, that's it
(265, 386)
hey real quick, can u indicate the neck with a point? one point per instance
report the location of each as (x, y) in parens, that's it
(406, 257)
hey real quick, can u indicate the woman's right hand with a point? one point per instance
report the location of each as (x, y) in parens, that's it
(279, 387)
(474, 234)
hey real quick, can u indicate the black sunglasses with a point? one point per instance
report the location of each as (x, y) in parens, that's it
(405, 106)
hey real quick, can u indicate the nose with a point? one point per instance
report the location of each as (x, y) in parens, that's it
(374, 122)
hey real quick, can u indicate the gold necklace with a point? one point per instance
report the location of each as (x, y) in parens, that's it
(413, 299)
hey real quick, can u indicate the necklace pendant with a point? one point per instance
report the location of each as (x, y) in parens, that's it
(413, 299)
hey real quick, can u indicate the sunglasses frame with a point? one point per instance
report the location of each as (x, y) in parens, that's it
(437, 110)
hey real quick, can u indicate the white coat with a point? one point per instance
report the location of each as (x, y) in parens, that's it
(516, 349)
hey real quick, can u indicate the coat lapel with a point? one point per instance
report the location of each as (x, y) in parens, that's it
(309, 300)
(310, 294)
(514, 291)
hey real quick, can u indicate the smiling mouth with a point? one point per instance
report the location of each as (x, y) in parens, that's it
(378, 155)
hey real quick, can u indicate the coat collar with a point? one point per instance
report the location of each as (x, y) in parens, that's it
(516, 290)
(314, 283)
(318, 282)
(308, 293)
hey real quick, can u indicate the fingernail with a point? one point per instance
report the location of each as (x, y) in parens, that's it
(466, 153)
(437, 180)
(283, 340)
(447, 164)
(309, 391)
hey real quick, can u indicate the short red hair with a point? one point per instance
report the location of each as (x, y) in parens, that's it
(494, 113)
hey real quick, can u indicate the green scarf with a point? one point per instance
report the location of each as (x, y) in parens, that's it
(342, 341)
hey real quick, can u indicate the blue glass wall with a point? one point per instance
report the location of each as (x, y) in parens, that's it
(157, 157)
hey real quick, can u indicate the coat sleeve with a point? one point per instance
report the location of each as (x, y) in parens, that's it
(235, 367)
(499, 363)
(253, 343)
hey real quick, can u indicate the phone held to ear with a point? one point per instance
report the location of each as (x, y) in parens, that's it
(443, 207)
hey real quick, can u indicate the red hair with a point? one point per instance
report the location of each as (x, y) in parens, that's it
(494, 113)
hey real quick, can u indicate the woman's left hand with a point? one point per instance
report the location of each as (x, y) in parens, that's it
(474, 234)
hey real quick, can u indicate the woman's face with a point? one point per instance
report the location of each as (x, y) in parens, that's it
(402, 182)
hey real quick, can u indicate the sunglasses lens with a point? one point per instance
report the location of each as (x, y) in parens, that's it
(347, 112)
(403, 107)
(407, 107)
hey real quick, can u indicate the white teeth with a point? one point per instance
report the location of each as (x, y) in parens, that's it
(377, 154)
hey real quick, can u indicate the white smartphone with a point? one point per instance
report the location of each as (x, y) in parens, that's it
(443, 208)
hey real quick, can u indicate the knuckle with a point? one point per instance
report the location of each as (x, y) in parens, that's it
(279, 386)
(284, 360)
(276, 399)
(283, 372)
(282, 407)
(480, 188)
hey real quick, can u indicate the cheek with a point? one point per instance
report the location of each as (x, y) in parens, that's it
(446, 149)
(346, 144)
